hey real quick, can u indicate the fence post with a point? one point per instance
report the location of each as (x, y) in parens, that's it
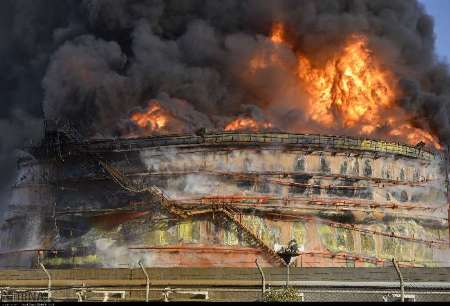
(263, 279)
(49, 295)
(288, 274)
(402, 287)
(147, 288)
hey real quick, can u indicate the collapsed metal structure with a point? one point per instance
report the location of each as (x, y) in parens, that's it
(222, 199)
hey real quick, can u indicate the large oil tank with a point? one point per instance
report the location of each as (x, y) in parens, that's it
(242, 196)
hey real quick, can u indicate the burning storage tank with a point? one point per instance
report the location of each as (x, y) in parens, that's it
(227, 198)
(220, 158)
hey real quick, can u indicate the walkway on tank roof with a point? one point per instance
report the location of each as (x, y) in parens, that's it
(309, 141)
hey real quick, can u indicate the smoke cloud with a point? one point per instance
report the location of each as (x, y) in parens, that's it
(95, 61)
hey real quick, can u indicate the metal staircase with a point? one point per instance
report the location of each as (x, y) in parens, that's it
(234, 215)
(229, 212)
(155, 192)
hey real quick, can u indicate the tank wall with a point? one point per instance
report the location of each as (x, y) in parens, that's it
(419, 181)
(28, 220)
(124, 237)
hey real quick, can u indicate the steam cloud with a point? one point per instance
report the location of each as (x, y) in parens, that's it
(94, 61)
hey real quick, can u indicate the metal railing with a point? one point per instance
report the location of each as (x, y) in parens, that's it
(316, 141)
(324, 141)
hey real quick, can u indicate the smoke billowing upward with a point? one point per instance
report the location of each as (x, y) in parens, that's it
(95, 62)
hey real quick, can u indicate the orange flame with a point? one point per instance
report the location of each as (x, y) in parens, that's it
(248, 124)
(262, 60)
(350, 90)
(154, 117)
(352, 87)
(353, 90)
(414, 135)
(277, 36)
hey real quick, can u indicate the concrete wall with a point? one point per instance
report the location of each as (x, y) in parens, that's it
(228, 284)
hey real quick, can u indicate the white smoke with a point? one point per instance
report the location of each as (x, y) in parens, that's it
(113, 255)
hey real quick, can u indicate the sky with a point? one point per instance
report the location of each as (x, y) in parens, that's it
(440, 10)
